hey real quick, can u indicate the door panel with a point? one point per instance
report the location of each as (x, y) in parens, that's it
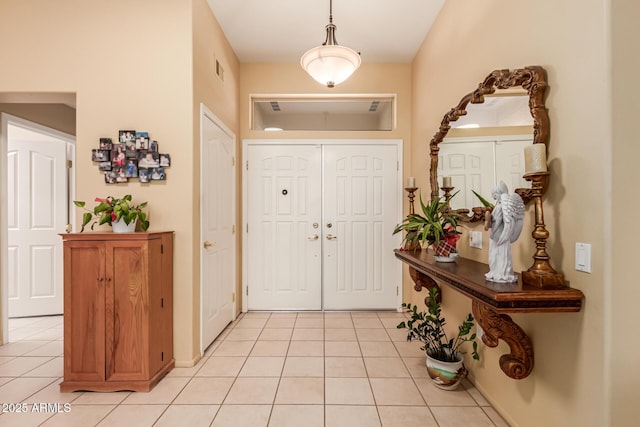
(360, 203)
(284, 248)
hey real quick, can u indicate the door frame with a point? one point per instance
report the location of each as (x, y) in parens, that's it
(284, 142)
(5, 121)
(206, 114)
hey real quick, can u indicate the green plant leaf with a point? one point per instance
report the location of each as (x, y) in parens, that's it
(79, 204)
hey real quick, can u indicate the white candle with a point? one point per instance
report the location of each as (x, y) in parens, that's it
(411, 182)
(446, 181)
(535, 158)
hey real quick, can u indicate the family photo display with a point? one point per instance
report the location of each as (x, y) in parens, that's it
(132, 156)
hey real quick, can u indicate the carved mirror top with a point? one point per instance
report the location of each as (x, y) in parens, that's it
(533, 80)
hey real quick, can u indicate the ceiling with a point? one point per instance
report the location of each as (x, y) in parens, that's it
(282, 30)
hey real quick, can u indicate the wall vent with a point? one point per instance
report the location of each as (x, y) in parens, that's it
(219, 70)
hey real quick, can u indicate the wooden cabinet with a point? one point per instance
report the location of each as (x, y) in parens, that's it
(118, 310)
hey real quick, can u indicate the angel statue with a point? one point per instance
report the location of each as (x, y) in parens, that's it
(505, 221)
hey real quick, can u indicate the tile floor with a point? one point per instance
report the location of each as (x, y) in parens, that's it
(266, 369)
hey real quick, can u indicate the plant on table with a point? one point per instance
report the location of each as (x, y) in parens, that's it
(112, 209)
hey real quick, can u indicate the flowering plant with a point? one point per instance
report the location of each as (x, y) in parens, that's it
(111, 209)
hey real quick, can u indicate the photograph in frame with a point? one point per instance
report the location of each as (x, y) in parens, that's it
(125, 136)
(148, 159)
(165, 160)
(98, 155)
(157, 174)
(104, 166)
(106, 144)
(142, 140)
(110, 177)
(153, 146)
(143, 175)
(131, 169)
(118, 156)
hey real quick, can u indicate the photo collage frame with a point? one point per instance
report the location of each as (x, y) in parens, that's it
(133, 156)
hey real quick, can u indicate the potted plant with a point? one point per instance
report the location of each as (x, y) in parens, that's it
(436, 227)
(444, 358)
(121, 214)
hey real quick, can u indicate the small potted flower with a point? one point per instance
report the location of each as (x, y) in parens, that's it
(436, 227)
(121, 214)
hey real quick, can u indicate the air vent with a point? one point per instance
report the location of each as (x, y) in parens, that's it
(374, 106)
(219, 70)
(275, 106)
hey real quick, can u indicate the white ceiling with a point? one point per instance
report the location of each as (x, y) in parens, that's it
(282, 30)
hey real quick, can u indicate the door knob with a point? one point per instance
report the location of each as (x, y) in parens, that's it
(208, 244)
(331, 237)
(314, 237)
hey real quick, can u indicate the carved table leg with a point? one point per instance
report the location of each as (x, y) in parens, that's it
(519, 363)
(423, 281)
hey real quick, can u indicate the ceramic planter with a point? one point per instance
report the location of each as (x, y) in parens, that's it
(446, 375)
(120, 226)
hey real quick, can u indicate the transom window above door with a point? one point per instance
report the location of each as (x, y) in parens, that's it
(314, 112)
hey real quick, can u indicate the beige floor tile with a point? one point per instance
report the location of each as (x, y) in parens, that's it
(242, 416)
(79, 416)
(270, 348)
(310, 315)
(351, 416)
(392, 322)
(340, 335)
(385, 367)
(53, 348)
(306, 348)
(221, 366)
(188, 372)
(300, 391)
(257, 315)
(303, 334)
(396, 391)
(233, 348)
(21, 365)
(313, 323)
(367, 323)
(392, 315)
(19, 334)
(477, 396)
(280, 323)
(397, 335)
(378, 349)
(19, 389)
(438, 397)
(348, 391)
(133, 415)
(239, 334)
(417, 366)
(187, 416)
(409, 349)
(5, 359)
(359, 314)
(451, 416)
(52, 368)
(99, 398)
(372, 334)
(405, 416)
(52, 394)
(337, 315)
(251, 323)
(303, 367)
(212, 347)
(4, 380)
(164, 392)
(253, 391)
(342, 348)
(345, 367)
(297, 415)
(275, 334)
(495, 417)
(283, 315)
(47, 335)
(28, 419)
(204, 391)
(262, 367)
(338, 323)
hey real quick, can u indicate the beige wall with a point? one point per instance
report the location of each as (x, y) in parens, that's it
(129, 64)
(569, 384)
(56, 116)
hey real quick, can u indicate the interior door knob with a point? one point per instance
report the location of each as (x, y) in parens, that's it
(331, 237)
(314, 237)
(208, 244)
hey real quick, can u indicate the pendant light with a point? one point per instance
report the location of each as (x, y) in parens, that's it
(330, 64)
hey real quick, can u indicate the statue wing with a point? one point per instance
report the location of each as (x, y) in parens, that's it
(512, 216)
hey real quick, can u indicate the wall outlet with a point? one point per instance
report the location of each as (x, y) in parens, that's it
(475, 239)
(583, 257)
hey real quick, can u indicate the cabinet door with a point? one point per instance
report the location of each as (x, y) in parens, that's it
(127, 310)
(84, 311)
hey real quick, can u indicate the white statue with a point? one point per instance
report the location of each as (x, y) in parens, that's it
(506, 224)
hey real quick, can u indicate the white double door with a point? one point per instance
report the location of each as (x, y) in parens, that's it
(320, 222)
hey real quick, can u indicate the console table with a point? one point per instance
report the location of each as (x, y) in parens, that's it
(491, 301)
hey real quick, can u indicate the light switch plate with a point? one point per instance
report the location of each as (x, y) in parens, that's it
(583, 257)
(475, 239)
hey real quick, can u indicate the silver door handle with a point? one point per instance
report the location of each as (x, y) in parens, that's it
(314, 237)
(331, 237)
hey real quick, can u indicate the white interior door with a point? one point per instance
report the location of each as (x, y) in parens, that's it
(36, 212)
(360, 212)
(510, 163)
(283, 238)
(218, 253)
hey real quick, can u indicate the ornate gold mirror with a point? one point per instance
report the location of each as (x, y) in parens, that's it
(528, 81)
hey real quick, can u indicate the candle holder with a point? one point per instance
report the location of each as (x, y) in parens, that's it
(412, 196)
(540, 274)
(411, 246)
(447, 192)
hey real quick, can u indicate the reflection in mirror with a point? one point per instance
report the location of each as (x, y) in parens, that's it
(481, 140)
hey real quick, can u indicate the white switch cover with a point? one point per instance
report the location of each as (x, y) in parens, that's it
(475, 239)
(583, 257)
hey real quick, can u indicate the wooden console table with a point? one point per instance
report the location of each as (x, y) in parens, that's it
(491, 301)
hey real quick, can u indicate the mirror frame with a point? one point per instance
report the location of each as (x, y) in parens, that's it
(533, 80)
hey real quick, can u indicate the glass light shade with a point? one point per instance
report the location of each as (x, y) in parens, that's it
(330, 64)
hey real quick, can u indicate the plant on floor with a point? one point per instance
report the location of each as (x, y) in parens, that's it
(111, 209)
(428, 327)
